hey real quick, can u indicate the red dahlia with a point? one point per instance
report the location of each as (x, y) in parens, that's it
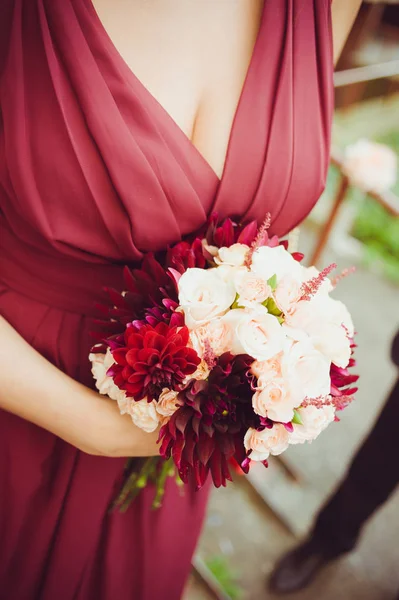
(153, 357)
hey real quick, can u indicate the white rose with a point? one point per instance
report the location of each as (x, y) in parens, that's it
(327, 324)
(144, 414)
(276, 399)
(234, 256)
(204, 295)
(269, 441)
(307, 369)
(267, 262)
(371, 166)
(255, 332)
(341, 315)
(314, 421)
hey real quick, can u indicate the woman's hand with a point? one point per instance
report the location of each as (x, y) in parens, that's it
(34, 389)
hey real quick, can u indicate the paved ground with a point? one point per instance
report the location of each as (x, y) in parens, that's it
(251, 534)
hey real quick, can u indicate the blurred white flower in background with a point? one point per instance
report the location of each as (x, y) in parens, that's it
(370, 166)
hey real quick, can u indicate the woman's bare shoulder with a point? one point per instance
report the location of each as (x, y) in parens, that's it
(343, 16)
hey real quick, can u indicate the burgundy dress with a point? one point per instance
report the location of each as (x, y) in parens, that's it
(93, 172)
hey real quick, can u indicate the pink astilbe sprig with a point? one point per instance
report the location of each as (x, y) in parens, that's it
(261, 239)
(345, 273)
(262, 236)
(311, 287)
(338, 402)
(209, 355)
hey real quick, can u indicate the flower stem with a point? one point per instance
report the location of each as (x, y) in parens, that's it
(167, 470)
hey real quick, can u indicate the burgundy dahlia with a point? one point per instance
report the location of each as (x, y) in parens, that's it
(186, 255)
(154, 357)
(208, 430)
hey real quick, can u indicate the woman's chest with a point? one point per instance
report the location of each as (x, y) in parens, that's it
(191, 57)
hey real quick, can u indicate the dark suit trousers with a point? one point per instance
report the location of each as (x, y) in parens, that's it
(370, 480)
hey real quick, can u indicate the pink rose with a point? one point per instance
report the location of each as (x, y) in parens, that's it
(234, 256)
(203, 295)
(250, 287)
(371, 166)
(217, 334)
(168, 403)
(144, 414)
(314, 421)
(269, 441)
(287, 293)
(255, 332)
(268, 368)
(276, 399)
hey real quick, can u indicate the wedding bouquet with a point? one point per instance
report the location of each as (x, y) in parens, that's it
(228, 346)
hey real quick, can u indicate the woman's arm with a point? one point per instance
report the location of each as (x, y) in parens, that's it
(34, 389)
(344, 13)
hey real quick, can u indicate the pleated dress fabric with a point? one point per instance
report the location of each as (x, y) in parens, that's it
(94, 172)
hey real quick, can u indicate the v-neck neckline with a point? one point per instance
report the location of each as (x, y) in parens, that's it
(103, 31)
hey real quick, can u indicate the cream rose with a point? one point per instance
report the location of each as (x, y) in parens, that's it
(144, 414)
(204, 295)
(168, 402)
(263, 443)
(307, 369)
(212, 250)
(255, 332)
(234, 256)
(314, 421)
(100, 363)
(267, 262)
(276, 399)
(251, 288)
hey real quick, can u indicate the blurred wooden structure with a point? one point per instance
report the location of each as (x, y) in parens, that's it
(372, 47)
(376, 20)
(387, 199)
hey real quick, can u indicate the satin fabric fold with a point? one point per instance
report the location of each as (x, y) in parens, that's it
(94, 172)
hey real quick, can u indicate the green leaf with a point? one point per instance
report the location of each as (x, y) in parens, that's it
(235, 303)
(297, 418)
(272, 282)
(272, 308)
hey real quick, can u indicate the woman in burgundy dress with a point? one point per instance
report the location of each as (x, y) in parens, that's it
(121, 129)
